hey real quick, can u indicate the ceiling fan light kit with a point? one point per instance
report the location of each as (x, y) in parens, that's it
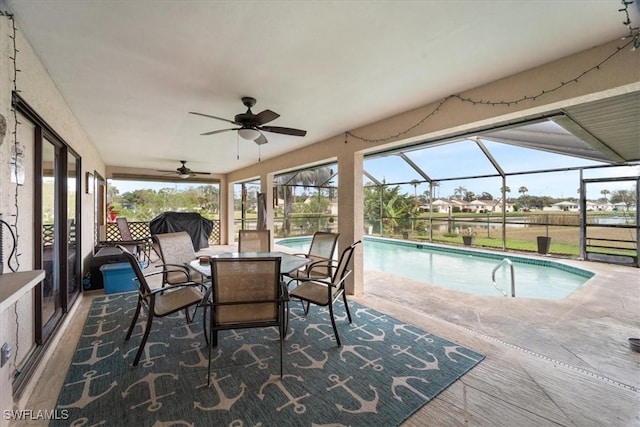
(249, 134)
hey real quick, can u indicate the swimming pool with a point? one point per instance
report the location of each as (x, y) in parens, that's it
(464, 270)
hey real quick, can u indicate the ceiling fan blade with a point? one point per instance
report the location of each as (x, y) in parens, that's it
(260, 140)
(214, 117)
(265, 117)
(284, 131)
(213, 132)
(200, 173)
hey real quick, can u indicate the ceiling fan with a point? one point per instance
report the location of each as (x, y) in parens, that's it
(251, 125)
(184, 172)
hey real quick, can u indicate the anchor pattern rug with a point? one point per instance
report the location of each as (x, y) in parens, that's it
(384, 371)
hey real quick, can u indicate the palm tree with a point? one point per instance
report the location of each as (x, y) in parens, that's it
(436, 185)
(523, 190)
(415, 184)
(306, 178)
(605, 193)
(459, 191)
(506, 190)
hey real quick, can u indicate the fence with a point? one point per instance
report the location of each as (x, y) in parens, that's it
(298, 225)
(521, 231)
(140, 229)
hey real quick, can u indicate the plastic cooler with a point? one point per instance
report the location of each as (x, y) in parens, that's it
(118, 277)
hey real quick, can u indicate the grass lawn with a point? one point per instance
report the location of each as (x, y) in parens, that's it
(565, 241)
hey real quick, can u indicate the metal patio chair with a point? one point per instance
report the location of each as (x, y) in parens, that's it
(176, 250)
(159, 302)
(140, 247)
(245, 293)
(254, 241)
(323, 293)
(323, 246)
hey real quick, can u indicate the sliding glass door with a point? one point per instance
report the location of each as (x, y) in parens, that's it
(74, 274)
(56, 220)
(50, 231)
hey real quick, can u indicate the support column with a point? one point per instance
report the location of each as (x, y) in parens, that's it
(226, 213)
(266, 187)
(351, 215)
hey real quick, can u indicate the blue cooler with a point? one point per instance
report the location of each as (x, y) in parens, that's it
(118, 277)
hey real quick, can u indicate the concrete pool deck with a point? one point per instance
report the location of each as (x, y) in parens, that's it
(548, 362)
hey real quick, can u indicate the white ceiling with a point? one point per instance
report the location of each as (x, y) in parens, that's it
(132, 70)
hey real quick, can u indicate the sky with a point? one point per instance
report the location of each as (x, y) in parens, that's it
(466, 159)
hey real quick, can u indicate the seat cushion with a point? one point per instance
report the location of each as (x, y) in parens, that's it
(314, 292)
(175, 277)
(177, 299)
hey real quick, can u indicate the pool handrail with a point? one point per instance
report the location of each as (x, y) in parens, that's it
(513, 280)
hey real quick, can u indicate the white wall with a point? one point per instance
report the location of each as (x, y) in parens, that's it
(16, 202)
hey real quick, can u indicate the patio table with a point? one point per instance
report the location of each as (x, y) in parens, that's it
(288, 262)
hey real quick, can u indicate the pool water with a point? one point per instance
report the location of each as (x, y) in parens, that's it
(463, 270)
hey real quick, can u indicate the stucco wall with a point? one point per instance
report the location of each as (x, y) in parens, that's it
(16, 324)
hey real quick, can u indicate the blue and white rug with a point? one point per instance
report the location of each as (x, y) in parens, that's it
(384, 371)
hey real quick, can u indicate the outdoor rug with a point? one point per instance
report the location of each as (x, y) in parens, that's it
(384, 371)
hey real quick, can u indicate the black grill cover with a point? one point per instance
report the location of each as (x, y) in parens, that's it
(198, 227)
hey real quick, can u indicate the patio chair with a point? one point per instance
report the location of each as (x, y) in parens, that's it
(322, 248)
(254, 241)
(245, 293)
(159, 302)
(140, 247)
(176, 250)
(324, 293)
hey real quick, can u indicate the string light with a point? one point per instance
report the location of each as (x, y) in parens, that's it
(634, 34)
(17, 152)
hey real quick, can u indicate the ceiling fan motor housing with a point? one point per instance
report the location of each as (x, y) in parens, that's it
(248, 101)
(245, 119)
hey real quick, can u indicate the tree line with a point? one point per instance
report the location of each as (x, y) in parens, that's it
(146, 204)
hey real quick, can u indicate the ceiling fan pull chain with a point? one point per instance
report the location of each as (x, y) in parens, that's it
(237, 147)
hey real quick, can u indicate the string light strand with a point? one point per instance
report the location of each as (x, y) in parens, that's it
(404, 132)
(16, 153)
(635, 40)
(634, 32)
